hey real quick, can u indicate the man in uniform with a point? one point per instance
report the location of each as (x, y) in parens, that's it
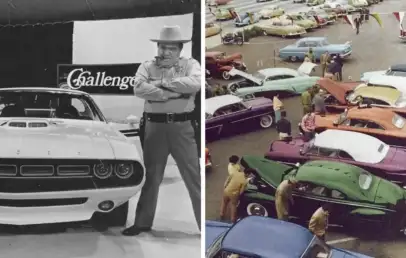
(324, 60)
(307, 101)
(283, 197)
(319, 221)
(311, 56)
(168, 84)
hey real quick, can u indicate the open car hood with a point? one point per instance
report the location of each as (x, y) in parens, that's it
(306, 68)
(234, 72)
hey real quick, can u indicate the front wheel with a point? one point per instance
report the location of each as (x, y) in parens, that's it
(239, 41)
(293, 58)
(226, 76)
(266, 121)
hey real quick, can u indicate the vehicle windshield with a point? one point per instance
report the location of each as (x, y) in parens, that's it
(365, 180)
(48, 104)
(215, 247)
(398, 121)
(341, 118)
(318, 249)
(259, 76)
(395, 73)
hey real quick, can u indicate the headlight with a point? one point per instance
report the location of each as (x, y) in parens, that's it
(103, 171)
(124, 171)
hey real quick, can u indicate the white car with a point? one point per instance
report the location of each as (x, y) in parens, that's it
(396, 82)
(62, 161)
(394, 70)
(380, 96)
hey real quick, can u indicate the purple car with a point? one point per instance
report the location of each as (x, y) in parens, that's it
(228, 113)
(358, 149)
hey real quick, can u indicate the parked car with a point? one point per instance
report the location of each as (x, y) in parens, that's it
(271, 81)
(379, 96)
(219, 64)
(333, 8)
(397, 82)
(354, 148)
(299, 1)
(228, 113)
(320, 45)
(247, 18)
(271, 12)
(298, 19)
(218, 2)
(394, 70)
(331, 17)
(224, 14)
(212, 29)
(386, 124)
(348, 8)
(321, 22)
(358, 3)
(62, 154)
(208, 162)
(277, 28)
(360, 199)
(315, 2)
(251, 236)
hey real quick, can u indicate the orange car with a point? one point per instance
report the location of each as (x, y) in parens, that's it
(385, 124)
(337, 92)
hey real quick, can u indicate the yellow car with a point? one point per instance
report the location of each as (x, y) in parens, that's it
(224, 14)
(271, 12)
(212, 29)
(299, 19)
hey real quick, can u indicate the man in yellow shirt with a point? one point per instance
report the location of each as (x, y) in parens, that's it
(233, 188)
(277, 107)
(233, 165)
(307, 101)
(319, 221)
(310, 55)
(283, 197)
(324, 60)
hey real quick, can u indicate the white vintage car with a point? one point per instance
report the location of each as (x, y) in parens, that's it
(395, 70)
(62, 161)
(396, 82)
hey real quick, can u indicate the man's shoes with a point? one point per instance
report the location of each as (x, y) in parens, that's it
(134, 230)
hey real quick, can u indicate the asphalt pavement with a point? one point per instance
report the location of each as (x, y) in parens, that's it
(374, 48)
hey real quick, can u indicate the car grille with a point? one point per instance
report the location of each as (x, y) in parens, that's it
(36, 170)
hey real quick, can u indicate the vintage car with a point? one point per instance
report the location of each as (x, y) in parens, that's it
(353, 148)
(271, 12)
(63, 160)
(335, 97)
(360, 199)
(227, 114)
(331, 17)
(397, 82)
(299, 1)
(320, 45)
(321, 22)
(208, 162)
(298, 19)
(212, 29)
(333, 8)
(358, 3)
(277, 28)
(246, 18)
(386, 124)
(219, 64)
(315, 2)
(251, 237)
(394, 70)
(271, 81)
(349, 9)
(224, 14)
(218, 2)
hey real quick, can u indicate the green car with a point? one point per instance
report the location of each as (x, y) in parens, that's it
(271, 81)
(282, 30)
(358, 198)
(300, 20)
(315, 2)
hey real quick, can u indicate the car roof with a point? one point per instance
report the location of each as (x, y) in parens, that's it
(366, 149)
(311, 39)
(213, 104)
(398, 67)
(262, 236)
(44, 89)
(213, 53)
(277, 71)
(381, 115)
(387, 94)
(340, 176)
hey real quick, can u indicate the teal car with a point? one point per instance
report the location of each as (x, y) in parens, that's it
(271, 81)
(358, 198)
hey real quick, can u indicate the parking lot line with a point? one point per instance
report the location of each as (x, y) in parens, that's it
(342, 240)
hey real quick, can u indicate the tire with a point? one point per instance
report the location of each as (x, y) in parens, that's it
(240, 42)
(225, 75)
(293, 58)
(266, 121)
(258, 209)
(114, 218)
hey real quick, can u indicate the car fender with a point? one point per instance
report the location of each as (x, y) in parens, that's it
(367, 212)
(225, 68)
(259, 196)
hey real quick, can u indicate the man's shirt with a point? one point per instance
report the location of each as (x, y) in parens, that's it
(236, 184)
(184, 78)
(233, 168)
(284, 126)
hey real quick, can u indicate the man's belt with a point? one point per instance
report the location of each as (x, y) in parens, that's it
(169, 117)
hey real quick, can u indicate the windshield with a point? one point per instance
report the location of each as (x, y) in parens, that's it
(365, 180)
(341, 118)
(395, 73)
(398, 121)
(215, 247)
(318, 249)
(259, 75)
(48, 104)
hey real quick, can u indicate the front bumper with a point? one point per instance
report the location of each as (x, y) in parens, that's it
(61, 213)
(346, 55)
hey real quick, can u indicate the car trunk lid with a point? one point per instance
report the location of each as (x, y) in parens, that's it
(234, 72)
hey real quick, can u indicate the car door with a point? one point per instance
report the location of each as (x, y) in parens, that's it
(342, 207)
(215, 124)
(241, 117)
(317, 153)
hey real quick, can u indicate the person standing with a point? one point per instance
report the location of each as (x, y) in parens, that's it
(168, 84)
(307, 101)
(233, 165)
(311, 56)
(340, 63)
(324, 60)
(284, 127)
(283, 198)
(318, 103)
(358, 23)
(319, 221)
(308, 125)
(233, 188)
(333, 70)
(277, 107)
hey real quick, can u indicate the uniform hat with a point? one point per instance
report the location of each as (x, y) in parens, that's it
(170, 34)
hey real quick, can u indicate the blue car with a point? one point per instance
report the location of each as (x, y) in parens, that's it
(244, 19)
(320, 45)
(262, 237)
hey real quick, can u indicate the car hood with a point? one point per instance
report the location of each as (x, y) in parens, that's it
(341, 253)
(396, 157)
(258, 102)
(213, 230)
(306, 68)
(293, 147)
(234, 72)
(388, 192)
(88, 140)
(367, 75)
(340, 46)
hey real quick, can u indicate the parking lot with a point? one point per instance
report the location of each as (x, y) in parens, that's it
(375, 48)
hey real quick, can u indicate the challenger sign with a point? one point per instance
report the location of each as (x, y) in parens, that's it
(103, 79)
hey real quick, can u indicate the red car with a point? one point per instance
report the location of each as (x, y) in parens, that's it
(219, 64)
